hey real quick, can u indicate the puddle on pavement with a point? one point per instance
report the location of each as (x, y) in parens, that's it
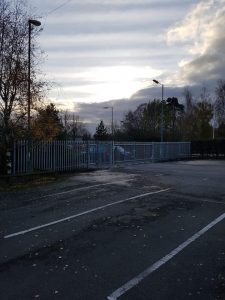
(105, 176)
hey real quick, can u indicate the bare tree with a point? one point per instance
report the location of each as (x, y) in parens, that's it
(14, 65)
(73, 126)
(220, 101)
(189, 103)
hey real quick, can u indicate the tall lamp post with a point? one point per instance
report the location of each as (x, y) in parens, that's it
(162, 111)
(30, 23)
(213, 122)
(106, 107)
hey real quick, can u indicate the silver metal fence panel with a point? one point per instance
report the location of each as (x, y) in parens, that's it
(14, 159)
(70, 150)
(68, 165)
(156, 152)
(25, 156)
(69, 155)
(49, 156)
(148, 151)
(60, 156)
(61, 168)
(78, 155)
(85, 158)
(41, 149)
(57, 155)
(82, 153)
(65, 152)
(39, 154)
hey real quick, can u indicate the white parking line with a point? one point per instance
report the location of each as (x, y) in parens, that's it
(82, 213)
(136, 280)
(83, 188)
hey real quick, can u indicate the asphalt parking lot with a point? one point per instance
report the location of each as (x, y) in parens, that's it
(145, 231)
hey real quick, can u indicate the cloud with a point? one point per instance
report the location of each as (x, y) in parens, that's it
(190, 29)
(95, 45)
(94, 112)
(85, 34)
(202, 32)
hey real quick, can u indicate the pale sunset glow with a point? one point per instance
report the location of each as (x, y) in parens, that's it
(114, 82)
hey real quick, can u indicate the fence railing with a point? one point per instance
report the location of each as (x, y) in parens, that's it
(28, 157)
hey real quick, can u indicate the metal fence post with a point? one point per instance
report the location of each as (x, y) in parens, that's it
(153, 152)
(112, 159)
(88, 154)
(9, 161)
(98, 154)
(135, 149)
(14, 157)
(161, 151)
(53, 144)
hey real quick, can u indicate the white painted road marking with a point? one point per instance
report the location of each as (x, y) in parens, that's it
(136, 280)
(83, 188)
(82, 213)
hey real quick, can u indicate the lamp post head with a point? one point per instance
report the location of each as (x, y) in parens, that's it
(156, 81)
(34, 22)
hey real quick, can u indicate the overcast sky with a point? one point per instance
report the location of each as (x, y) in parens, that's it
(102, 50)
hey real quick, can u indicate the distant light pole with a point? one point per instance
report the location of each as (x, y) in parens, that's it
(106, 107)
(162, 112)
(35, 23)
(213, 122)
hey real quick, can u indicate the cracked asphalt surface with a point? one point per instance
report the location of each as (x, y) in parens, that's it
(92, 255)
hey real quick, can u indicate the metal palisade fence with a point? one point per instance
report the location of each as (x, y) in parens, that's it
(43, 156)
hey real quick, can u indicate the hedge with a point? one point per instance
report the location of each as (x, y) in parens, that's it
(208, 148)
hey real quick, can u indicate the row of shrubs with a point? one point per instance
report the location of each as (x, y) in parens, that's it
(209, 148)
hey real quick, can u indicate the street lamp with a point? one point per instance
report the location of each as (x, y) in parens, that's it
(106, 107)
(162, 111)
(34, 23)
(213, 122)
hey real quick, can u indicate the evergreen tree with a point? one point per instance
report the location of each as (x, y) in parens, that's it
(101, 133)
(47, 124)
(220, 107)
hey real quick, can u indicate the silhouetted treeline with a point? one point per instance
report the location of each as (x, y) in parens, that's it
(198, 118)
